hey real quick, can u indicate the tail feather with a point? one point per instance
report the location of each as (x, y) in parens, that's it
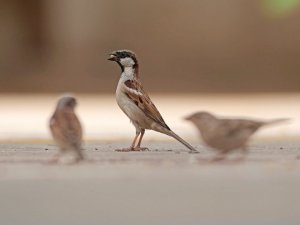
(275, 121)
(172, 134)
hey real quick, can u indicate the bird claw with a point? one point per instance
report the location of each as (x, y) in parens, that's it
(124, 150)
(136, 149)
(141, 149)
(193, 152)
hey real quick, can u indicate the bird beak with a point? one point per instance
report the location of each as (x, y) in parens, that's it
(112, 57)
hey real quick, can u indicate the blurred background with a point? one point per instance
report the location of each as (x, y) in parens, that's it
(236, 58)
(223, 56)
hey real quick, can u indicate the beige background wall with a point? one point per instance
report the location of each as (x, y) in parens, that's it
(183, 46)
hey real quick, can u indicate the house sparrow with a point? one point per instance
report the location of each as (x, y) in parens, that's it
(135, 102)
(226, 135)
(66, 128)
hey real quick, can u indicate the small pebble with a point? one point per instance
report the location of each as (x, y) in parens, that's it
(96, 148)
(281, 148)
(46, 149)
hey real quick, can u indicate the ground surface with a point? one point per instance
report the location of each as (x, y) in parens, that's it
(162, 186)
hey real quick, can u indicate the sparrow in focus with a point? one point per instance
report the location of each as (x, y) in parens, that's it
(135, 102)
(66, 128)
(226, 135)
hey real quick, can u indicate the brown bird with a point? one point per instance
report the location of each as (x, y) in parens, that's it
(226, 135)
(66, 128)
(135, 102)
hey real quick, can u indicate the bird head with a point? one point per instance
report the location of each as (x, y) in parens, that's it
(125, 58)
(67, 101)
(202, 119)
(200, 116)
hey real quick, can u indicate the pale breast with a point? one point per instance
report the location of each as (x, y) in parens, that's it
(134, 113)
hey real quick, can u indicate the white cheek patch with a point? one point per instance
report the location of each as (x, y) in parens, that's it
(127, 61)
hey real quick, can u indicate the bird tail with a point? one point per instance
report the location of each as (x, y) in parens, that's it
(275, 121)
(172, 134)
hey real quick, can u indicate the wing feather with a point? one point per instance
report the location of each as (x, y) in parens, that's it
(67, 128)
(233, 127)
(136, 93)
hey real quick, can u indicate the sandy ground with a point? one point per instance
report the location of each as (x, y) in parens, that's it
(165, 185)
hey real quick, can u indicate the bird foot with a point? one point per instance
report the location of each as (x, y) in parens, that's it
(124, 149)
(193, 152)
(136, 149)
(141, 149)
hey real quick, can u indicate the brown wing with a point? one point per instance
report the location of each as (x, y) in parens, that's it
(66, 128)
(232, 127)
(136, 93)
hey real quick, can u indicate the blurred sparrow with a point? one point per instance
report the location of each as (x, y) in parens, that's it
(66, 128)
(135, 102)
(226, 135)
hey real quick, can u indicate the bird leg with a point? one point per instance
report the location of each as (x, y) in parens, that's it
(131, 148)
(138, 147)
